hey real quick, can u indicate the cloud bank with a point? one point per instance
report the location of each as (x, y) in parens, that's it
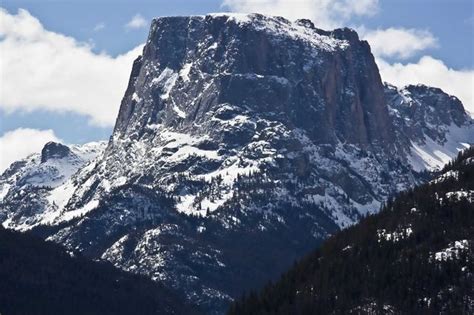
(21, 142)
(432, 72)
(41, 69)
(399, 43)
(324, 13)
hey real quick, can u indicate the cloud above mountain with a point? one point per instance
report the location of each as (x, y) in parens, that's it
(431, 72)
(50, 71)
(325, 13)
(21, 142)
(136, 22)
(399, 43)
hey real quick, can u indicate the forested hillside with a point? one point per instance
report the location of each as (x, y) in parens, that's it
(38, 277)
(414, 257)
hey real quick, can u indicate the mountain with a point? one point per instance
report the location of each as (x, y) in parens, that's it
(432, 121)
(39, 277)
(414, 257)
(241, 143)
(34, 190)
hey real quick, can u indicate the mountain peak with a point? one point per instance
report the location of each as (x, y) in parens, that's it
(425, 104)
(54, 150)
(192, 66)
(305, 22)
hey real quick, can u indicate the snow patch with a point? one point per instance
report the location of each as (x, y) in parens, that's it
(59, 196)
(136, 98)
(239, 18)
(446, 176)
(395, 236)
(461, 194)
(433, 156)
(230, 173)
(179, 112)
(452, 251)
(184, 72)
(69, 215)
(4, 190)
(167, 80)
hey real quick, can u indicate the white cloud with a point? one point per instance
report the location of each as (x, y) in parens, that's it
(360, 7)
(432, 72)
(40, 69)
(99, 26)
(136, 22)
(399, 42)
(21, 142)
(324, 13)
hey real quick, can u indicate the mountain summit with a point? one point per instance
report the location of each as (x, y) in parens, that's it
(242, 142)
(326, 83)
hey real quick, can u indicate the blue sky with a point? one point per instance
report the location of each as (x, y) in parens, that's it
(450, 20)
(46, 91)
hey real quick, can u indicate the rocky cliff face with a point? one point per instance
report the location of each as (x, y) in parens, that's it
(53, 150)
(432, 123)
(325, 83)
(242, 141)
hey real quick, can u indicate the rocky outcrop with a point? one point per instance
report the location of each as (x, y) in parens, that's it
(34, 190)
(326, 83)
(54, 150)
(421, 111)
(432, 124)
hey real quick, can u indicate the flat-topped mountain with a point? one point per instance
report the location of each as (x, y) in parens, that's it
(325, 83)
(241, 143)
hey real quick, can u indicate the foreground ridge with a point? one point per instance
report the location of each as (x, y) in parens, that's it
(39, 277)
(414, 257)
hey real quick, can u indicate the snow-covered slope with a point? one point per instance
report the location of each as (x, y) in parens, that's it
(242, 141)
(36, 189)
(434, 123)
